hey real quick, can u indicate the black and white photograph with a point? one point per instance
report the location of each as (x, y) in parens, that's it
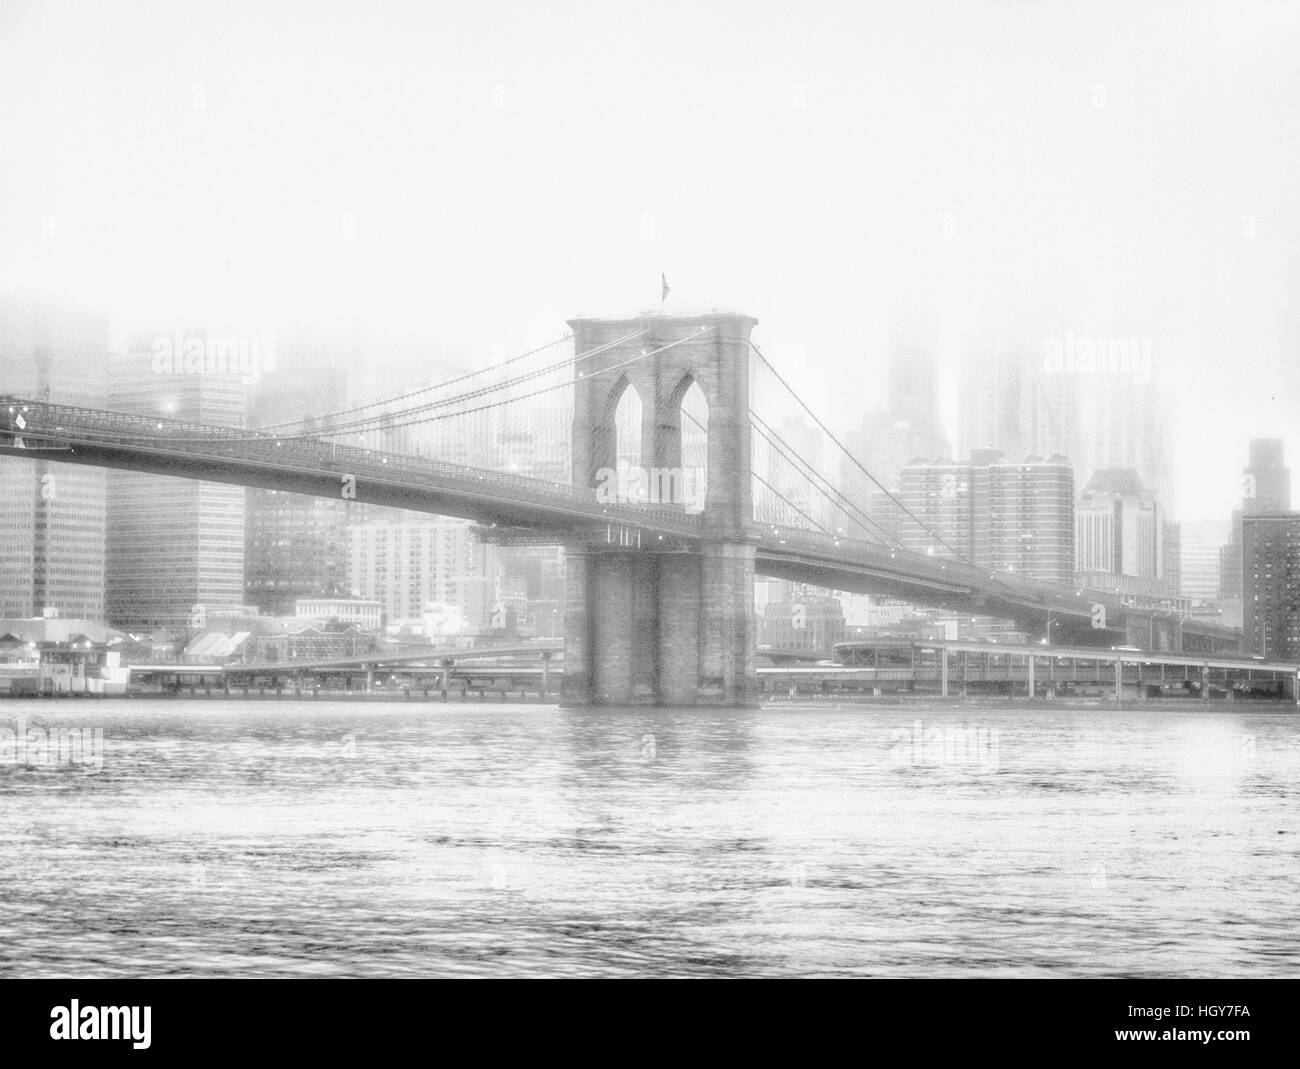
(666, 490)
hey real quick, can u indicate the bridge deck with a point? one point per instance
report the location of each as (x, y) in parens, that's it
(310, 465)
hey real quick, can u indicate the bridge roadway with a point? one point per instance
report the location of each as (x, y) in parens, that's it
(37, 430)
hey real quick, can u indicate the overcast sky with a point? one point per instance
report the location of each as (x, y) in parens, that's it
(473, 174)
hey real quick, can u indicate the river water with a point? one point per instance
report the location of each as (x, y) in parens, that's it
(372, 839)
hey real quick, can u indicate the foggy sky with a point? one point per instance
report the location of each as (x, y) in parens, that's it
(471, 175)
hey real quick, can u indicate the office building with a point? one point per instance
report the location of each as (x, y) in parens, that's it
(1265, 488)
(1266, 480)
(52, 516)
(1122, 537)
(533, 588)
(295, 546)
(1198, 577)
(811, 622)
(176, 546)
(993, 393)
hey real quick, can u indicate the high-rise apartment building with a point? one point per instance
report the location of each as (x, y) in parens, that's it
(174, 544)
(943, 507)
(409, 565)
(1031, 521)
(52, 519)
(1002, 516)
(1271, 571)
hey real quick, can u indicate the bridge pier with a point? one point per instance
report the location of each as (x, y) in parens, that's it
(660, 628)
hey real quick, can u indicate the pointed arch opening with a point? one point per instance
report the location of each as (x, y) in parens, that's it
(693, 421)
(627, 429)
(622, 484)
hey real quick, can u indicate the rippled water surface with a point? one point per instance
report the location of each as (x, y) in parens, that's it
(328, 839)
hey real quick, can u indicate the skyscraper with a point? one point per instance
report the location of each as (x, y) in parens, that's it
(907, 431)
(1091, 401)
(944, 509)
(52, 515)
(993, 394)
(1122, 427)
(914, 403)
(1266, 480)
(1265, 489)
(295, 546)
(1199, 571)
(1049, 414)
(174, 544)
(1122, 536)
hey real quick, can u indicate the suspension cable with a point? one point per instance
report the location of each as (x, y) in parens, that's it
(362, 428)
(791, 503)
(857, 463)
(381, 421)
(846, 505)
(426, 389)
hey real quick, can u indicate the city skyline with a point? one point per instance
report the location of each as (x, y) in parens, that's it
(1132, 186)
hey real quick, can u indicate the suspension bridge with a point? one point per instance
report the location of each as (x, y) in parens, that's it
(666, 454)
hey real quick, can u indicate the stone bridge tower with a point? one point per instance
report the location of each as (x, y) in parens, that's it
(664, 624)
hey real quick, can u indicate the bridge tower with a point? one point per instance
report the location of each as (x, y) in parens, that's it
(664, 624)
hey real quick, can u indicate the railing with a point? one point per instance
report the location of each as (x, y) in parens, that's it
(64, 424)
(907, 563)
